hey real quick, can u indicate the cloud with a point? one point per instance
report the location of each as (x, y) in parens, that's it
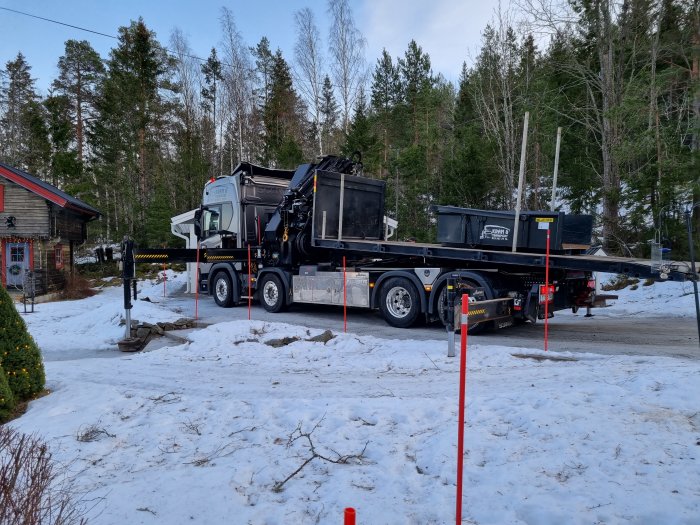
(448, 30)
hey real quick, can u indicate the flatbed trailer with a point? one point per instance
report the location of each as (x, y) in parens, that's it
(318, 235)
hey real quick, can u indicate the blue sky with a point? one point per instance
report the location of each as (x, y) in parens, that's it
(448, 30)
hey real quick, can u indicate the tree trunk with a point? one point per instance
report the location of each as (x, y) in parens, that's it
(611, 176)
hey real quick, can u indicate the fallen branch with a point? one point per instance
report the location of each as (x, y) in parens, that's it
(299, 434)
(92, 433)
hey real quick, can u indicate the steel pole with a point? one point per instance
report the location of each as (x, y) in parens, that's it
(556, 171)
(521, 177)
(688, 221)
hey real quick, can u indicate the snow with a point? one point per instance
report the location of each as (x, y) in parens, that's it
(206, 431)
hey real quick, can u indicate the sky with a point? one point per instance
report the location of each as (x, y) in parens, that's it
(448, 30)
(210, 427)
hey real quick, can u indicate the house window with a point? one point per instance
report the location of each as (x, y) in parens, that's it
(16, 254)
(58, 256)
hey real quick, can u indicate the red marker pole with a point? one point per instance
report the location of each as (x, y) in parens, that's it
(546, 294)
(350, 516)
(196, 288)
(250, 283)
(462, 402)
(345, 297)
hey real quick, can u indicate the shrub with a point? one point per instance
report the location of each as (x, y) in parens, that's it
(620, 282)
(77, 287)
(7, 400)
(33, 491)
(19, 355)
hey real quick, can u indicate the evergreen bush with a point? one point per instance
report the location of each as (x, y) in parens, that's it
(20, 357)
(7, 400)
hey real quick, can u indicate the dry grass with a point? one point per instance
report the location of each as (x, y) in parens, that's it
(22, 406)
(33, 491)
(77, 287)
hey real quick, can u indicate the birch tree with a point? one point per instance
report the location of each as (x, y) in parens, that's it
(238, 80)
(347, 50)
(309, 70)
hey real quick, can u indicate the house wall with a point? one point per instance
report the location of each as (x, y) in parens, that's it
(48, 229)
(29, 210)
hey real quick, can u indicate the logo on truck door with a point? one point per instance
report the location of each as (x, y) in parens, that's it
(495, 233)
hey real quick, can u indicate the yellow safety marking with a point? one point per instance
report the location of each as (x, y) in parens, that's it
(477, 312)
(544, 219)
(220, 257)
(151, 256)
(315, 177)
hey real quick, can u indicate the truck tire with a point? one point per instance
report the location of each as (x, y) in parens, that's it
(399, 302)
(223, 290)
(442, 313)
(271, 293)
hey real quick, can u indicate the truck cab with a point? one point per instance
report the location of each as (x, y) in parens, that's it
(235, 210)
(237, 207)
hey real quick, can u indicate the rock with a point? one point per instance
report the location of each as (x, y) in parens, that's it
(132, 344)
(142, 332)
(322, 338)
(183, 323)
(277, 343)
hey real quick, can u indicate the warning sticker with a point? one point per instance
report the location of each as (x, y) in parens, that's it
(544, 219)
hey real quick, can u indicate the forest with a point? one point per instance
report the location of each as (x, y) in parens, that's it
(138, 133)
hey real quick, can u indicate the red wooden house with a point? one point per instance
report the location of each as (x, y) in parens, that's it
(40, 226)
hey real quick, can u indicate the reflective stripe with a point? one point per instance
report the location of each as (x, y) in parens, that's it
(464, 318)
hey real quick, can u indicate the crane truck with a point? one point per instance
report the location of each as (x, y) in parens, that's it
(318, 234)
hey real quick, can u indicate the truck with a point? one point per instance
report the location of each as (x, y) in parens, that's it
(319, 235)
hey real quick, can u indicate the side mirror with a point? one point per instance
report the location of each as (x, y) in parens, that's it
(198, 223)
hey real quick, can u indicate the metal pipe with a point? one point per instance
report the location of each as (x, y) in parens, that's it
(521, 176)
(556, 170)
(688, 217)
(340, 210)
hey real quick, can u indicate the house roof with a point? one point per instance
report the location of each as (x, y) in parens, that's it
(47, 191)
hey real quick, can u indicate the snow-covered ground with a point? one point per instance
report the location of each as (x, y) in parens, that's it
(217, 430)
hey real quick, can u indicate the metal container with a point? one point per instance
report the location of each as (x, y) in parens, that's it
(356, 203)
(494, 229)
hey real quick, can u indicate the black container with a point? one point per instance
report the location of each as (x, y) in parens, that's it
(495, 229)
(363, 207)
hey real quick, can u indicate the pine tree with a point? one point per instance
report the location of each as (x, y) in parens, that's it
(264, 64)
(386, 95)
(360, 137)
(65, 166)
(80, 73)
(23, 135)
(211, 70)
(20, 357)
(329, 117)
(416, 81)
(282, 118)
(131, 130)
(468, 171)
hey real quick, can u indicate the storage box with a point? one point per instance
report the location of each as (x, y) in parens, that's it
(494, 229)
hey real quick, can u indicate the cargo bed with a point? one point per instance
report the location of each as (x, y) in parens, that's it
(438, 255)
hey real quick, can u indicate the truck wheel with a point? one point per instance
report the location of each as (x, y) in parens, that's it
(399, 302)
(223, 291)
(442, 313)
(271, 293)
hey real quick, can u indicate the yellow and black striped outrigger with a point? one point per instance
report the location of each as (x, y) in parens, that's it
(184, 255)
